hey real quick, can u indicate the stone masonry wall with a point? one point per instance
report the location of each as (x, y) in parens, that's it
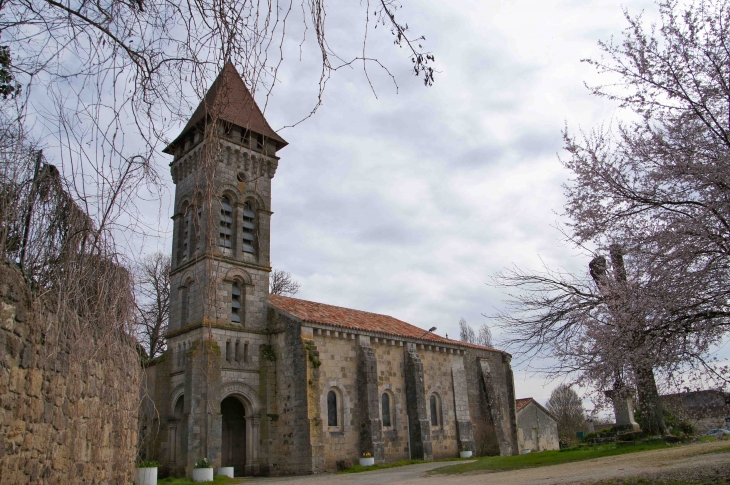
(64, 417)
(338, 371)
(288, 428)
(391, 378)
(438, 380)
(495, 432)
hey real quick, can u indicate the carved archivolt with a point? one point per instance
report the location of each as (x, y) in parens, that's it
(176, 393)
(230, 191)
(250, 397)
(238, 274)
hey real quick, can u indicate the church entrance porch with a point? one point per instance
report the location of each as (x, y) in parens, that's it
(233, 443)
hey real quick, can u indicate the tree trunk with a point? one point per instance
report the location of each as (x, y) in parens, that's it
(652, 420)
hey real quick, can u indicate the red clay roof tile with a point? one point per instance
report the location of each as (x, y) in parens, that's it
(312, 312)
(521, 403)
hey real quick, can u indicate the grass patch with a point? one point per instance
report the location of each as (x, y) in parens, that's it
(546, 458)
(708, 438)
(218, 480)
(648, 481)
(358, 469)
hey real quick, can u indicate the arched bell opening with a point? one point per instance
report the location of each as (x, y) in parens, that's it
(233, 436)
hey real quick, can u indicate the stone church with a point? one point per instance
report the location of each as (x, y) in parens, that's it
(273, 385)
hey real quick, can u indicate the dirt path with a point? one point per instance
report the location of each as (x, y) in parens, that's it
(695, 460)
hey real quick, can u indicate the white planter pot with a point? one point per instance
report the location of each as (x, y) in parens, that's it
(146, 476)
(226, 471)
(202, 474)
(367, 461)
(465, 454)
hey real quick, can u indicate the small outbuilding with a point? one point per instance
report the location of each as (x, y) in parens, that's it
(705, 410)
(537, 429)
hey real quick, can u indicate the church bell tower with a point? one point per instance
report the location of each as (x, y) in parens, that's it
(224, 161)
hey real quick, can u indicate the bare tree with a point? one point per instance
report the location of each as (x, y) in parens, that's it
(153, 302)
(281, 283)
(605, 328)
(567, 408)
(656, 187)
(485, 336)
(467, 334)
(111, 71)
(659, 185)
(75, 273)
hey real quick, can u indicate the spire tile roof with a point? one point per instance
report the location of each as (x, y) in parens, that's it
(228, 99)
(313, 312)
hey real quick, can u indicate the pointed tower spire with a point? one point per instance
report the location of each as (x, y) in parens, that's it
(229, 100)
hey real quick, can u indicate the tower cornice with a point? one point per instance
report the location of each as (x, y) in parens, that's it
(217, 257)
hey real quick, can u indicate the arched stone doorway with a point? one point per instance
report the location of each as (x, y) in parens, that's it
(233, 436)
(179, 431)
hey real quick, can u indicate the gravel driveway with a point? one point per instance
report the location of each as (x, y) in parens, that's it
(695, 460)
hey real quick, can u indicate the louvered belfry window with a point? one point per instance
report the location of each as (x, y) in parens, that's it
(235, 302)
(185, 235)
(198, 222)
(249, 228)
(226, 224)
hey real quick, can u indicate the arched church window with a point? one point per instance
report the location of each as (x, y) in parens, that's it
(235, 302)
(385, 408)
(435, 407)
(226, 224)
(332, 409)
(249, 228)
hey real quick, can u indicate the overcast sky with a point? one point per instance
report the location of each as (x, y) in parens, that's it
(406, 203)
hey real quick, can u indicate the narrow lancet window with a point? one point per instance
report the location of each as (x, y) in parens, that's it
(184, 304)
(185, 236)
(196, 233)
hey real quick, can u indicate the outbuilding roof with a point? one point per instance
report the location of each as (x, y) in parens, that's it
(228, 99)
(313, 312)
(522, 403)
